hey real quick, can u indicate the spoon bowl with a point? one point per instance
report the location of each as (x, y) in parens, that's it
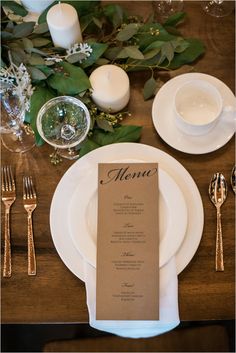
(218, 190)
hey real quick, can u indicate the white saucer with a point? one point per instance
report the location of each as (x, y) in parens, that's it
(82, 211)
(164, 118)
(68, 184)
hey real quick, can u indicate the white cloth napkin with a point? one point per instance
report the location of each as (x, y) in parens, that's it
(169, 310)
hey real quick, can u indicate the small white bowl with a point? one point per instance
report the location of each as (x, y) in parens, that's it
(198, 105)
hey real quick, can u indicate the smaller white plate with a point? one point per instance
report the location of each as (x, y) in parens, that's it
(164, 117)
(82, 215)
(69, 182)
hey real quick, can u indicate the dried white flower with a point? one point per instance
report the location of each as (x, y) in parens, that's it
(82, 48)
(56, 58)
(19, 76)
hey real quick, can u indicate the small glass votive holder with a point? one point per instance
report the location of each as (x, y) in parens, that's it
(64, 122)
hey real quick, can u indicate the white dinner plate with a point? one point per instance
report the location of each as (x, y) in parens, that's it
(82, 210)
(68, 184)
(164, 117)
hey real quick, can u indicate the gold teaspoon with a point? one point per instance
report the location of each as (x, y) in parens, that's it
(218, 192)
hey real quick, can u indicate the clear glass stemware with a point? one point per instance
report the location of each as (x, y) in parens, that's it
(165, 8)
(15, 135)
(64, 122)
(218, 8)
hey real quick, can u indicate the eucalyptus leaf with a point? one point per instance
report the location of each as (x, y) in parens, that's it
(112, 53)
(167, 51)
(122, 54)
(104, 125)
(6, 36)
(128, 32)
(40, 96)
(180, 45)
(175, 19)
(15, 7)
(194, 50)
(145, 36)
(130, 52)
(123, 133)
(151, 53)
(41, 28)
(45, 69)
(23, 29)
(18, 55)
(98, 50)
(102, 61)
(157, 44)
(40, 42)
(36, 74)
(16, 45)
(28, 45)
(43, 15)
(71, 81)
(87, 146)
(36, 59)
(149, 88)
(134, 53)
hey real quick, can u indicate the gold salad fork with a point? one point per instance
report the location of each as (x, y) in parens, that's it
(30, 203)
(8, 198)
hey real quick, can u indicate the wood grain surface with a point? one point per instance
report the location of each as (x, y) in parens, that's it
(55, 294)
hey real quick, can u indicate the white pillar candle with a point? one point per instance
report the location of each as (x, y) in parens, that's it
(64, 26)
(111, 88)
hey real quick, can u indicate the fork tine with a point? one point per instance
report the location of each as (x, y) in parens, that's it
(8, 182)
(12, 180)
(3, 179)
(28, 188)
(7, 177)
(25, 190)
(33, 192)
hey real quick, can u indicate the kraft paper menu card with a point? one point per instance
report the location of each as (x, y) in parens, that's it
(127, 283)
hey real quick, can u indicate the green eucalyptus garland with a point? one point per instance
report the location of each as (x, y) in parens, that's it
(111, 36)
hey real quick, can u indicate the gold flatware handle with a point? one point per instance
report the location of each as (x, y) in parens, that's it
(31, 249)
(7, 245)
(219, 244)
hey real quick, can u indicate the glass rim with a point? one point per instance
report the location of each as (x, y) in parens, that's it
(50, 103)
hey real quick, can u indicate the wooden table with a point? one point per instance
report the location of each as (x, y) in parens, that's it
(55, 294)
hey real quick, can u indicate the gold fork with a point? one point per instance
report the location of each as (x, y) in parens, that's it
(30, 203)
(8, 198)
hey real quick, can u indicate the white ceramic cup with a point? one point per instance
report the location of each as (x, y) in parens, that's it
(198, 105)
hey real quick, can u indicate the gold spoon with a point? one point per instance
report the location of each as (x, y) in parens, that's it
(218, 192)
